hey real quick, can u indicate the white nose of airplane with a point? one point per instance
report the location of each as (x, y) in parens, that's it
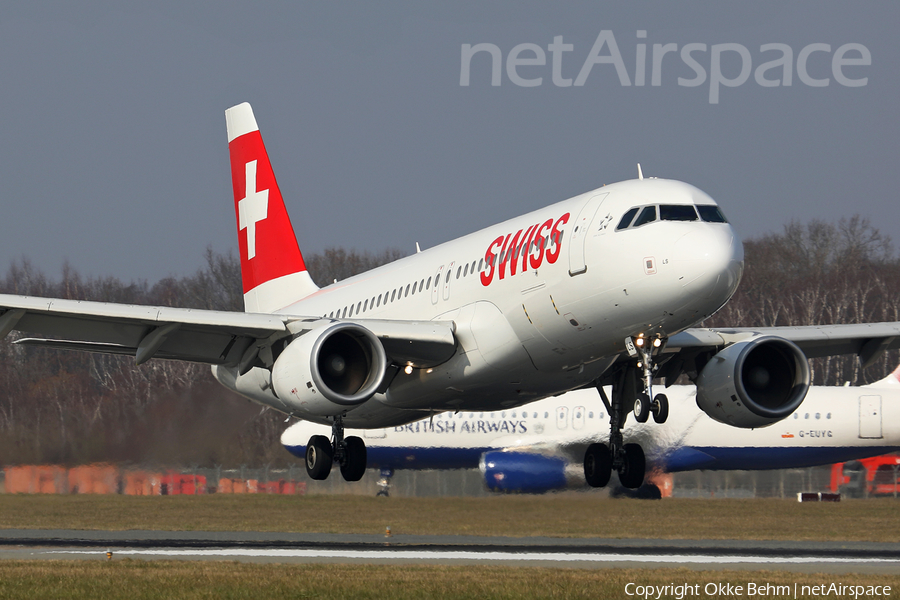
(710, 260)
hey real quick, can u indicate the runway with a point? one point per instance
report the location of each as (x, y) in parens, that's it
(827, 557)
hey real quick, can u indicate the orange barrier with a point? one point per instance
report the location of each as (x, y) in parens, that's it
(109, 479)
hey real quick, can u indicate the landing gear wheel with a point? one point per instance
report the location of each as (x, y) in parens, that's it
(660, 408)
(642, 408)
(353, 467)
(597, 465)
(631, 473)
(319, 456)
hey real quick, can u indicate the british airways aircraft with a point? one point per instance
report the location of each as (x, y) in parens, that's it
(539, 447)
(602, 289)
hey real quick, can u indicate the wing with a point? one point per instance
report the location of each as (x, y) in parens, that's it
(205, 336)
(867, 340)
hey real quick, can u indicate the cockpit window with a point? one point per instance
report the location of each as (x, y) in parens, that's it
(627, 218)
(677, 212)
(648, 215)
(711, 213)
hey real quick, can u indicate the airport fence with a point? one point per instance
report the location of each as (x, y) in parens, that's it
(293, 480)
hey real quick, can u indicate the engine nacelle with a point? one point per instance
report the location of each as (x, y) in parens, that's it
(326, 370)
(525, 472)
(754, 383)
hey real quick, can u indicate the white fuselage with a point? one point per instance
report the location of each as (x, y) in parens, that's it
(542, 303)
(834, 424)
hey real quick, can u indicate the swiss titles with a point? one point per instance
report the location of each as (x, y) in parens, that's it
(516, 252)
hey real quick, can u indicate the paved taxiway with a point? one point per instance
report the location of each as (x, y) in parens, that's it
(827, 557)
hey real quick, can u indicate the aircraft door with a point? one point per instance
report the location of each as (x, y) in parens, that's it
(870, 417)
(562, 417)
(447, 278)
(578, 418)
(581, 229)
(435, 293)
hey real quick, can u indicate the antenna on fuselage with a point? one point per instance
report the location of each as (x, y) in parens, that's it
(640, 174)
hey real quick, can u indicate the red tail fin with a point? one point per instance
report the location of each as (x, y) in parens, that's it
(272, 268)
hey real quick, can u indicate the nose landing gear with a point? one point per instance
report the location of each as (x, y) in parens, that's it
(349, 453)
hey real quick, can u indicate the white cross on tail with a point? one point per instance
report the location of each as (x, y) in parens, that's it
(253, 208)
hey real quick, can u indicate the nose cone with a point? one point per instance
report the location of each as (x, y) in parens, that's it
(710, 262)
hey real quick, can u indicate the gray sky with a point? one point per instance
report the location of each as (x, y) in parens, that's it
(112, 136)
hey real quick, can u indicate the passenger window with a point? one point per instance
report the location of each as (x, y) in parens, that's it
(648, 215)
(379, 300)
(447, 279)
(351, 311)
(366, 306)
(458, 272)
(627, 218)
(677, 212)
(358, 306)
(466, 270)
(405, 294)
(415, 283)
(393, 295)
(421, 285)
(711, 213)
(480, 264)
(345, 313)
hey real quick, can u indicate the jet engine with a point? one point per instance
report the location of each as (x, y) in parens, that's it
(326, 370)
(754, 383)
(524, 472)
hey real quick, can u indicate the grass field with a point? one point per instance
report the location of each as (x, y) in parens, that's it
(566, 515)
(135, 580)
(572, 515)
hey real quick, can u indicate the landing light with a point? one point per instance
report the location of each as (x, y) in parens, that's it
(408, 370)
(657, 343)
(639, 341)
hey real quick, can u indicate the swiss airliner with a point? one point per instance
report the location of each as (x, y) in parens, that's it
(539, 447)
(602, 289)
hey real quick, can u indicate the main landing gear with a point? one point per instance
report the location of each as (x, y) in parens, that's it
(627, 459)
(349, 453)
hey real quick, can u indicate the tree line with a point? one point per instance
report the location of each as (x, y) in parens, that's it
(75, 408)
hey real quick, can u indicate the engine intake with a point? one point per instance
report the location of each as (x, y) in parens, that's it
(327, 369)
(754, 383)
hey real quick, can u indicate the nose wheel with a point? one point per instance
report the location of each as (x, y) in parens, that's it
(349, 453)
(644, 407)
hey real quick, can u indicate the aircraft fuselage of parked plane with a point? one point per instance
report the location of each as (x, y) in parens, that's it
(539, 447)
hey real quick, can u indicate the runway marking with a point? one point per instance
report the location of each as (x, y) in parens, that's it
(494, 556)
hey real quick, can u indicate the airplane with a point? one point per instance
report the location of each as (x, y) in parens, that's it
(539, 447)
(602, 289)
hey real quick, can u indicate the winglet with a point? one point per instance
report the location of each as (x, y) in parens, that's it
(272, 268)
